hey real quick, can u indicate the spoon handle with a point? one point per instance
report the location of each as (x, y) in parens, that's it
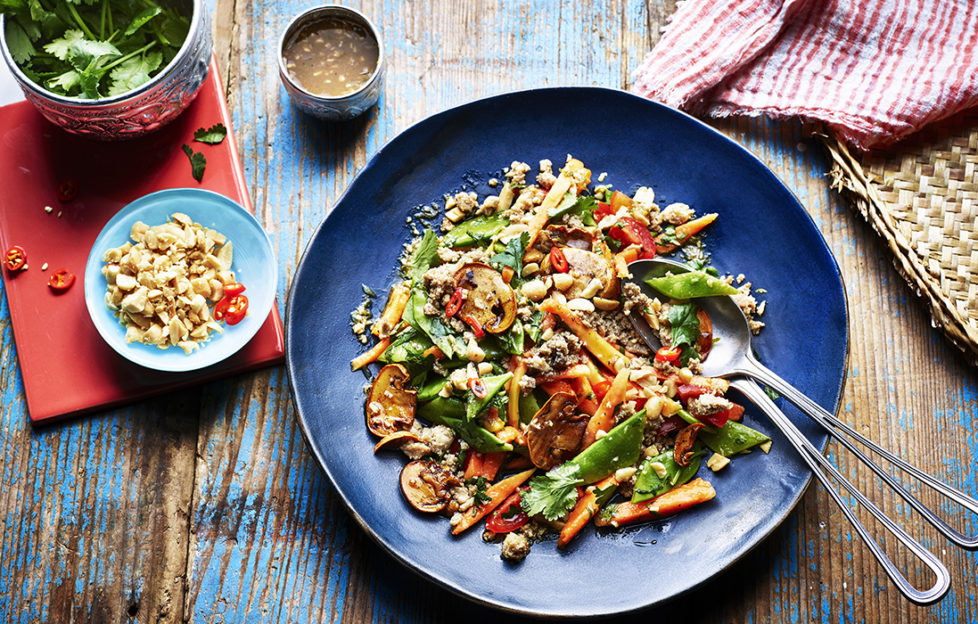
(840, 430)
(819, 465)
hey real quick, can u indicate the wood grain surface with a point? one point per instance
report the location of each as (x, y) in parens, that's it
(206, 506)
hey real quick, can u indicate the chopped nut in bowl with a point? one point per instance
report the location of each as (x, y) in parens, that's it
(166, 278)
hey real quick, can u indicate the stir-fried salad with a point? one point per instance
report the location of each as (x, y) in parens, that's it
(514, 382)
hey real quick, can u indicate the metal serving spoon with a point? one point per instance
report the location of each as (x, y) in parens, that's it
(731, 356)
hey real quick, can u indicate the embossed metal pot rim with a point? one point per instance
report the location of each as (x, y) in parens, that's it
(196, 20)
(311, 14)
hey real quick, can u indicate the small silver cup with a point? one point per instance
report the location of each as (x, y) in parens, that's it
(333, 107)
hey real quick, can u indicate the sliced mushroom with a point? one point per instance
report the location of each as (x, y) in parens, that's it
(554, 434)
(489, 300)
(390, 407)
(427, 485)
(682, 452)
(395, 440)
(587, 265)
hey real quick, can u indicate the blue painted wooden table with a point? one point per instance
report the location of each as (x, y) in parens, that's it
(205, 505)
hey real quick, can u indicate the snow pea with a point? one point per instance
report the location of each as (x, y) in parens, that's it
(474, 230)
(494, 383)
(648, 483)
(430, 389)
(529, 406)
(406, 347)
(691, 285)
(622, 447)
(732, 438)
(451, 413)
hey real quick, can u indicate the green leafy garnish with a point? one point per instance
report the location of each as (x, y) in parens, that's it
(685, 329)
(424, 256)
(554, 493)
(480, 496)
(197, 162)
(212, 136)
(92, 48)
(512, 255)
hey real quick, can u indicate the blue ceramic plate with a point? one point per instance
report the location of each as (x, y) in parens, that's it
(762, 231)
(253, 264)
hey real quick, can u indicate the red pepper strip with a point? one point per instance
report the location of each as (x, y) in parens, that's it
(558, 261)
(668, 354)
(476, 326)
(233, 288)
(61, 280)
(68, 190)
(632, 232)
(509, 516)
(16, 258)
(478, 387)
(455, 303)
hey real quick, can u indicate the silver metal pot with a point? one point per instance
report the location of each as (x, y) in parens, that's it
(322, 106)
(139, 111)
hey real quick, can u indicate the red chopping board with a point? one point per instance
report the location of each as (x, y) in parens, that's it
(66, 366)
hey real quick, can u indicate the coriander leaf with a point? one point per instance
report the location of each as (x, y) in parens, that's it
(532, 328)
(554, 493)
(61, 47)
(212, 136)
(65, 82)
(131, 73)
(19, 44)
(197, 162)
(685, 325)
(87, 55)
(512, 255)
(142, 18)
(512, 338)
(424, 255)
(481, 496)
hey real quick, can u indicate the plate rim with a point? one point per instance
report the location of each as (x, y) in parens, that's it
(448, 583)
(148, 201)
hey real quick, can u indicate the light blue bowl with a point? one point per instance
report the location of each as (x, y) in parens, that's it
(253, 265)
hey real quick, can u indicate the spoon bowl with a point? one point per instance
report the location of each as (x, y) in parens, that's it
(732, 356)
(729, 323)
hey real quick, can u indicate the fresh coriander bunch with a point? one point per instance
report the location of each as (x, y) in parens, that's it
(92, 48)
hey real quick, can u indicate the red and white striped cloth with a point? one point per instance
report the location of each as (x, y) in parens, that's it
(874, 71)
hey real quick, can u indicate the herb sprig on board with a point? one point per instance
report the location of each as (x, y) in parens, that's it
(92, 48)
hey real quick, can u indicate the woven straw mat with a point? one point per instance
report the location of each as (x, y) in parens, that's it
(921, 196)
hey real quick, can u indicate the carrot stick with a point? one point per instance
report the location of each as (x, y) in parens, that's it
(686, 230)
(681, 498)
(473, 464)
(371, 356)
(587, 406)
(553, 387)
(508, 274)
(604, 418)
(583, 511)
(582, 387)
(433, 351)
(497, 493)
(491, 462)
(513, 408)
(604, 351)
(396, 303)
